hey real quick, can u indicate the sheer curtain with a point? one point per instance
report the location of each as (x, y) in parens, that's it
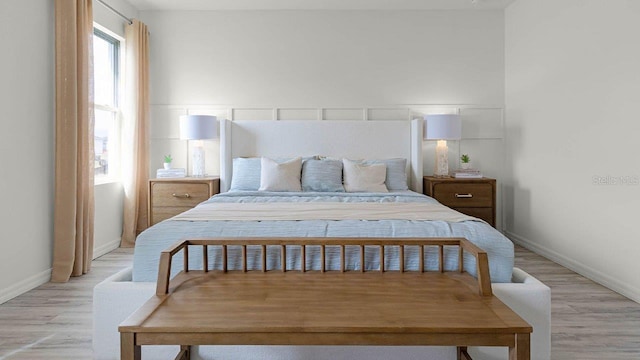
(74, 167)
(135, 132)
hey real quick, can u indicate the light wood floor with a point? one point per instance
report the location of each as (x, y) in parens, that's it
(588, 320)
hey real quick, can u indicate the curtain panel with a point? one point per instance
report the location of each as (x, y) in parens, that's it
(135, 132)
(74, 152)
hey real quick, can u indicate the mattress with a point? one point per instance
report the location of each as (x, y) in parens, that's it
(152, 241)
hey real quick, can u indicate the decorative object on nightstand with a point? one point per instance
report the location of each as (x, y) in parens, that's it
(465, 162)
(170, 197)
(167, 162)
(442, 127)
(474, 197)
(171, 173)
(466, 171)
(199, 128)
(467, 174)
(168, 171)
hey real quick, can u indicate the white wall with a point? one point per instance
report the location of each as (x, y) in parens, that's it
(326, 58)
(26, 144)
(572, 95)
(107, 234)
(313, 64)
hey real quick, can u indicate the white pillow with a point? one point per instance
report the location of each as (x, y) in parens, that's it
(280, 176)
(359, 177)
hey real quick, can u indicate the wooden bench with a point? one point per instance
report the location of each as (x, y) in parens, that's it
(302, 307)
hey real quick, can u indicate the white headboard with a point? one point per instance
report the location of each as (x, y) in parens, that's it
(356, 139)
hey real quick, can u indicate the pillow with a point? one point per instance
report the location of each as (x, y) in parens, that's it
(396, 178)
(283, 176)
(246, 174)
(359, 177)
(322, 175)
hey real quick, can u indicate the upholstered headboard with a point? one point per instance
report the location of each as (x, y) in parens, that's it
(356, 139)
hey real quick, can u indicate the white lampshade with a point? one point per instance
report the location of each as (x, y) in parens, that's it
(198, 127)
(442, 127)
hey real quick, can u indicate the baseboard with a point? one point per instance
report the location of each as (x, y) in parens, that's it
(582, 269)
(44, 277)
(106, 248)
(24, 286)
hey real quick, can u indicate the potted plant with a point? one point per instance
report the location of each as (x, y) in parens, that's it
(465, 162)
(167, 162)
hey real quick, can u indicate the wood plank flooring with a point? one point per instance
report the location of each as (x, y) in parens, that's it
(54, 320)
(588, 320)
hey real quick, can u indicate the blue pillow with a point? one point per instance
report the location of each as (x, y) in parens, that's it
(246, 174)
(322, 175)
(396, 173)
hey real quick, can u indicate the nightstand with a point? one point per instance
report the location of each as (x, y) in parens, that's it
(170, 197)
(474, 197)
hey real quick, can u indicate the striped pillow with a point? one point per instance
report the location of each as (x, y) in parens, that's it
(246, 174)
(322, 175)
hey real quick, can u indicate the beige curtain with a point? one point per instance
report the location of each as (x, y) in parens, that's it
(135, 132)
(74, 168)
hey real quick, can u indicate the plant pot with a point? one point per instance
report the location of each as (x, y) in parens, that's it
(167, 166)
(465, 166)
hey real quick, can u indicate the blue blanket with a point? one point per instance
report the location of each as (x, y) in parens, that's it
(160, 236)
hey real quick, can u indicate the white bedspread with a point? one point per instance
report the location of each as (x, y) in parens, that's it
(322, 211)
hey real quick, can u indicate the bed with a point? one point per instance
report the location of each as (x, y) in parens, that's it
(248, 213)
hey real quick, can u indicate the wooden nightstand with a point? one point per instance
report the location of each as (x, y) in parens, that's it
(170, 197)
(474, 197)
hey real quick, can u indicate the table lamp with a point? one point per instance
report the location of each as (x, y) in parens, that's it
(198, 128)
(442, 127)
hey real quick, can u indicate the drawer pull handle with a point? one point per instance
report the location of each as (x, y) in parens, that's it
(185, 196)
(466, 196)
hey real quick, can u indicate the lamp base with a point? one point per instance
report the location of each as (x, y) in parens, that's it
(197, 162)
(442, 159)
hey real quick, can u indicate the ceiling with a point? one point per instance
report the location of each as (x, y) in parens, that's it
(320, 4)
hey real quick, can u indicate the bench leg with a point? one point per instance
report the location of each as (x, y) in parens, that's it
(462, 353)
(522, 348)
(185, 353)
(128, 348)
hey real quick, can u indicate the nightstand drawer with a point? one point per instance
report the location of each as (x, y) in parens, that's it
(464, 195)
(178, 194)
(474, 197)
(170, 197)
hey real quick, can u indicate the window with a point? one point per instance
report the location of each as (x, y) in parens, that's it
(106, 68)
